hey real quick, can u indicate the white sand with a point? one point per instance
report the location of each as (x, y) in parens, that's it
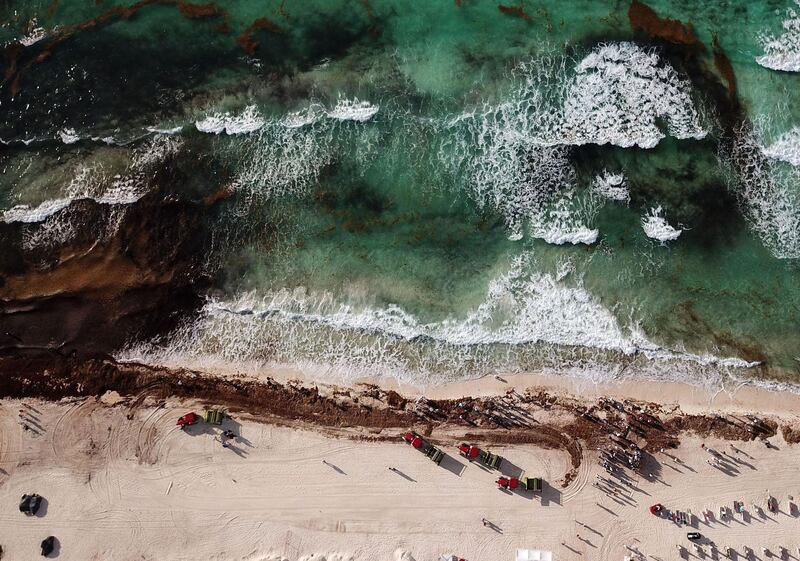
(743, 397)
(140, 489)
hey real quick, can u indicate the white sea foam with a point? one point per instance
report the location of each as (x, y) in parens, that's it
(564, 221)
(612, 186)
(786, 148)
(619, 93)
(655, 226)
(768, 191)
(251, 120)
(304, 117)
(782, 52)
(353, 110)
(69, 136)
(513, 155)
(288, 153)
(247, 121)
(92, 183)
(38, 213)
(170, 130)
(34, 36)
(528, 319)
(284, 160)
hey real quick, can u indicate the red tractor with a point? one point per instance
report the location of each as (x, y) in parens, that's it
(413, 439)
(188, 420)
(469, 452)
(656, 509)
(510, 483)
(431, 451)
(485, 457)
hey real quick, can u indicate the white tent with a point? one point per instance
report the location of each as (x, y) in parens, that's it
(534, 555)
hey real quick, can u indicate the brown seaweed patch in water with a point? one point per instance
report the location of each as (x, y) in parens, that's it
(14, 51)
(643, 18)
(246, 40)
(51, 9)
(516, 11)
(199, 11)
(725, 68)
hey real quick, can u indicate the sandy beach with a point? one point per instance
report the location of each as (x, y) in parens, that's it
(122, 482)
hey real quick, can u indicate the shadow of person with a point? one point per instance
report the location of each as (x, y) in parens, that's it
(334, 467)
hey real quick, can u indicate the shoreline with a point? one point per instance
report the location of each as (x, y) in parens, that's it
(305, 477)
(747, 396)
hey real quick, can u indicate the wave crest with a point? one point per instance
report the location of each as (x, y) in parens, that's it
(656, 227)
(782, 52)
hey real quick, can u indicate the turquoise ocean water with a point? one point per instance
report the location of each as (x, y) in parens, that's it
(435, 190)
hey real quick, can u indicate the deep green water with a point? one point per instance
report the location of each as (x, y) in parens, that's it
(427, 233)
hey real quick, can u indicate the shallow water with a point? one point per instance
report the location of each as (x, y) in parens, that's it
(438, 191)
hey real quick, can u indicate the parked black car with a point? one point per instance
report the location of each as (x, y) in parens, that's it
(29, 504)
(693, 535)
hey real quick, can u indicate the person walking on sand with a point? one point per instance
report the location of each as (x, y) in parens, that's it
(484, 521)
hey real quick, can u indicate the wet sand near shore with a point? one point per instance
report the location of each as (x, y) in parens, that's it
(732, 397)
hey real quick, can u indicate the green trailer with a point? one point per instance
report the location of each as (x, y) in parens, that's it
(533, 484)
(490, 460)
(214, 417)
(435, 454)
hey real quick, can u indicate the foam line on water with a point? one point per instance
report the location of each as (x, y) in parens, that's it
(782, 51)
(528, 320)
(767, 190)
(786, 148)
(249, 120)
(353, 110)
(91, 183)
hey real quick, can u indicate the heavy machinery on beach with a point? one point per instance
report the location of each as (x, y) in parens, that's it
(472, 452)
(430, 451)
(211, 417)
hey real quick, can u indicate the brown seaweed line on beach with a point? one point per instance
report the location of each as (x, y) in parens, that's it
(371, 413)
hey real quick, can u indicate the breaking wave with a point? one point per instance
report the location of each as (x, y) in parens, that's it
(92, 183)
(353, 110)
(619, 93)
(782, 52)
(69, 136)
(247, 121)
(786, 148)
(251, 120)
(656, 227)
(768, 191)
(514, 155)
(612, 186)
(528, 320)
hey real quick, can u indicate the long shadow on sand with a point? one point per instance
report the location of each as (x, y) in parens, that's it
(452, 465)
(550, 494)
